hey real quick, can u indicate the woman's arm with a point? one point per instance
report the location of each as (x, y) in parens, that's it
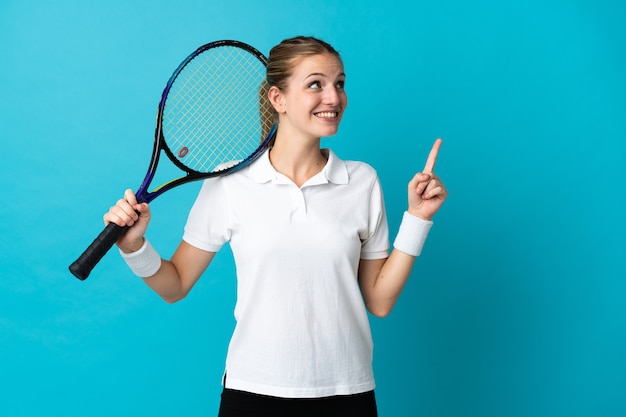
(176, 277)
(173, 279)
(382, 280)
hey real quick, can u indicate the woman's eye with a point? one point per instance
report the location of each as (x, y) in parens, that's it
(318, 84)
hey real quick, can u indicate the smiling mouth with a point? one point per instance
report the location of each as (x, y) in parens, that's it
(327, 114)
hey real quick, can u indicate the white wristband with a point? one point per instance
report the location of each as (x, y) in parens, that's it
(412, 234)
(145, 262)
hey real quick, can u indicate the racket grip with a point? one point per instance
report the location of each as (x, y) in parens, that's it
(98, 248)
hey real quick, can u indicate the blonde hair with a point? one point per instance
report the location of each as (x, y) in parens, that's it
(283, 57)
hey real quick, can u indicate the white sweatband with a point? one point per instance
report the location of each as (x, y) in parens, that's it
(412, 234)
(145, 262)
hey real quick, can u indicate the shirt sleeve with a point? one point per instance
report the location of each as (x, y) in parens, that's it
(375, 245)
(208, 223)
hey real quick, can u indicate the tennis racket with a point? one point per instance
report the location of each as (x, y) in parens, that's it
(213, 119)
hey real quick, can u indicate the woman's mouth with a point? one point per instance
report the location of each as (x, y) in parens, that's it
(327, 114)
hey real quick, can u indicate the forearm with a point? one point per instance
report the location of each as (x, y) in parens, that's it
(167, 283)
(383, 291)
(383, 280)
(171, 280)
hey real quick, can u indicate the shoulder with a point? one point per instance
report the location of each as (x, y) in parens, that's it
(217, 187)
(362, 177)
(362, 173)
(361, 168)
(357, 170)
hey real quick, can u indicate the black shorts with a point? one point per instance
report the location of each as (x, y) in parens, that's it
(244, 404)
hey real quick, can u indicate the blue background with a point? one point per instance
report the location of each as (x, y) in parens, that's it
(517, 306)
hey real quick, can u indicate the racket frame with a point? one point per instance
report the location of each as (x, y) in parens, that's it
(82, 267)
(145, 196)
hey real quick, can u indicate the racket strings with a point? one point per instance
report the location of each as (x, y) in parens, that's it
(216, 111)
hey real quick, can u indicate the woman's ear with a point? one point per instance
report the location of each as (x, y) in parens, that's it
(276, 99)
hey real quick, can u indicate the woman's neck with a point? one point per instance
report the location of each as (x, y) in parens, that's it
(297, 160)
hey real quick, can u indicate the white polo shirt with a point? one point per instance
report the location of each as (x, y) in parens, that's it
(302, 328)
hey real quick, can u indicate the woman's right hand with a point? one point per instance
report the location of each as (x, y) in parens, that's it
(127, 212)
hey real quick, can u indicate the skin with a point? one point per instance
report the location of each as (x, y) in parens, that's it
(310, 108)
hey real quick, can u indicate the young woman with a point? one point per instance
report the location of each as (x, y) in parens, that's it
(309, 235)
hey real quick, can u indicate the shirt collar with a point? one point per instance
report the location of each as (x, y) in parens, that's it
(335, 171)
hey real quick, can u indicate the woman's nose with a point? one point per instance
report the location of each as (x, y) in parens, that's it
(331, 96)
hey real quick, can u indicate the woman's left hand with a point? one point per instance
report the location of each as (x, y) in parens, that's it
(426, 191)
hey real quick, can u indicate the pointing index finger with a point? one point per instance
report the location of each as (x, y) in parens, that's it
(432, 157)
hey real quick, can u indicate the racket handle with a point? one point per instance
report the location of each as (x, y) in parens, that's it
(98, 248)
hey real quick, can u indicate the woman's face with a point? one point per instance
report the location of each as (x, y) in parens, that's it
(315, 99)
